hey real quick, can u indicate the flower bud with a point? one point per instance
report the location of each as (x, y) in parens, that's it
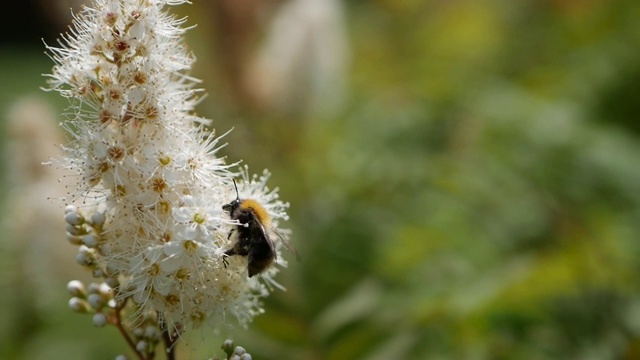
(76, 288)
(227, 347)
(79, 305)
(74, 218)
(138, 332)
(112, 281)
(98, 219)
(151, 333)
(96, 301)
(85, 258)
(99, 319)
(75, 230)
(105, 290)
(98, 273)
(94, 288)
(141, 345)
(90, 241)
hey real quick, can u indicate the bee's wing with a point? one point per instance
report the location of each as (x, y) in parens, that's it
(263, 234)
(285, 243)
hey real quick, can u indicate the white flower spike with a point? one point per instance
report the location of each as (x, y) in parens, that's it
(150, 222)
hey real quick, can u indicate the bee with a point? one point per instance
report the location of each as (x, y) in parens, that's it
(254, 234)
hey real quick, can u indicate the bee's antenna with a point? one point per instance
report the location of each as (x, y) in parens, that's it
(236, 186)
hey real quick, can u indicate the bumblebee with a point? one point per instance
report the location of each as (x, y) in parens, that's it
(253, 239)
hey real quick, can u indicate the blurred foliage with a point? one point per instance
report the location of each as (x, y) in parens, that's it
(477, 196)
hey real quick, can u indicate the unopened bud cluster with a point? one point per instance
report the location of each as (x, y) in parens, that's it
(235, 352)
(97, 298)
(86, 233)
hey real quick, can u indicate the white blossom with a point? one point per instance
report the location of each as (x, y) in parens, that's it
(146, 172)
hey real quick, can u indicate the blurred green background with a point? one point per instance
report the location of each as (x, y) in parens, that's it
(464, 177)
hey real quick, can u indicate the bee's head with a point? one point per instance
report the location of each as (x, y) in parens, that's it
(232, 206)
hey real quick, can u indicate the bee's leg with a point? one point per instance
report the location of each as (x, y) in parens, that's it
(230, 233)
(226, 254)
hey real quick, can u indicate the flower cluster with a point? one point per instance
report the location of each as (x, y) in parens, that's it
(149, 222)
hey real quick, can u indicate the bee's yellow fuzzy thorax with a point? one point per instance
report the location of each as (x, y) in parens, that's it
(260, 212)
